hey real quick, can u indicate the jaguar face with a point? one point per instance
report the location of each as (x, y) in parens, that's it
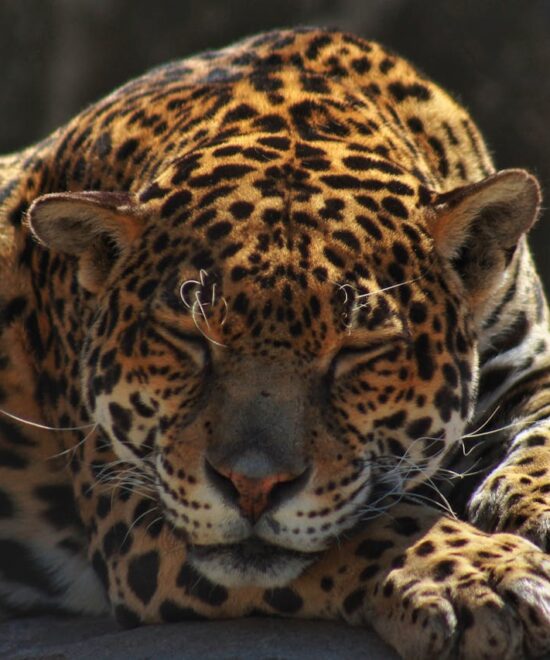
(276, 357)
(274, 406)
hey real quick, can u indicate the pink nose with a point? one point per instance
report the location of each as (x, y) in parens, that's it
(254, 494)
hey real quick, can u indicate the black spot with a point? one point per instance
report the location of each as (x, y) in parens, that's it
(241, 210)
(370, 227)
(61, 510)
(241, 112)
(401, 253)
(202, 259)
(334, 258)
(405, 526)
(400, 91)
(275, 142)
(320, 273)
(347, 238)
(393, 422)
(16, 215)
(13, 309)
(327, 583)
(314, 83)
(314, 306)
(342, 181)
(271, 123)
(219, 230)
(161, 242)
(141, 408)
(436, 145)
(316, 45)
(418, 312)
(386, 65)
(122, 417)
(395, 207)
(154, 191)
(354, 601)
(127, 149)
(446, 401)
(422, 350)
(388, 589)
(48, 388)
(263, 82)
(34, 337)
(155, 528)
(211, 196)
(283, 600)
(332, 209)
(197, 585)
(373, 548)
(361, 64)
(364, 163)
(369, 572)
(443, 570)
(12, 460)
(143, 574)
(175, 202)
(419, 427)
(240, 304)
(399, 561)
(415, 125)
(204, 218)
(450, 374)
(238, 272)
(536, 441)
(395, 447)
(103, 506)
(118, 540)
(219, 174)
(425, 548)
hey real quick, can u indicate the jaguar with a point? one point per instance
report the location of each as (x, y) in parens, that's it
(272, 343)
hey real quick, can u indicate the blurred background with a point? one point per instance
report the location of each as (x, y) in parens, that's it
(56, 56)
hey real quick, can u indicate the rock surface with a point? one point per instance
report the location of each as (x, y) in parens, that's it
(49, 638)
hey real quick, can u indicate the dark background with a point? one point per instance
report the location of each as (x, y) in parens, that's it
(56, 56)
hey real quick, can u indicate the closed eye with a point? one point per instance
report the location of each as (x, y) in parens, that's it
(354, 356)
(191, 345)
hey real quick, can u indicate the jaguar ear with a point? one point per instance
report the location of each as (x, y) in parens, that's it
(96, 227)
(478, 227)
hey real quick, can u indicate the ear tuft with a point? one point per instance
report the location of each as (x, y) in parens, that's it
(94, 226)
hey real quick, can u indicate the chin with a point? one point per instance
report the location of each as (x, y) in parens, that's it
(252, 563)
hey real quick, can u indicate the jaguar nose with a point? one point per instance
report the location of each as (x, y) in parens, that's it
(252, 486)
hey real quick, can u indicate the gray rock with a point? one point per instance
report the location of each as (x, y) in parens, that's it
(53, 638)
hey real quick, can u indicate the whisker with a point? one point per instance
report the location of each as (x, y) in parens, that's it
(78, 444)
(45, 427)
(197, 325)
(135, 522)
(153, 522)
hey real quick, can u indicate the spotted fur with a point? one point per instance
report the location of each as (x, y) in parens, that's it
(272, 342)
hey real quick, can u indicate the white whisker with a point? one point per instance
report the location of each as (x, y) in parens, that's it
(78, 444)
(45, 427)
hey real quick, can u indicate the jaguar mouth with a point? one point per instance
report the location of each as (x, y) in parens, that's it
(250, 563)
